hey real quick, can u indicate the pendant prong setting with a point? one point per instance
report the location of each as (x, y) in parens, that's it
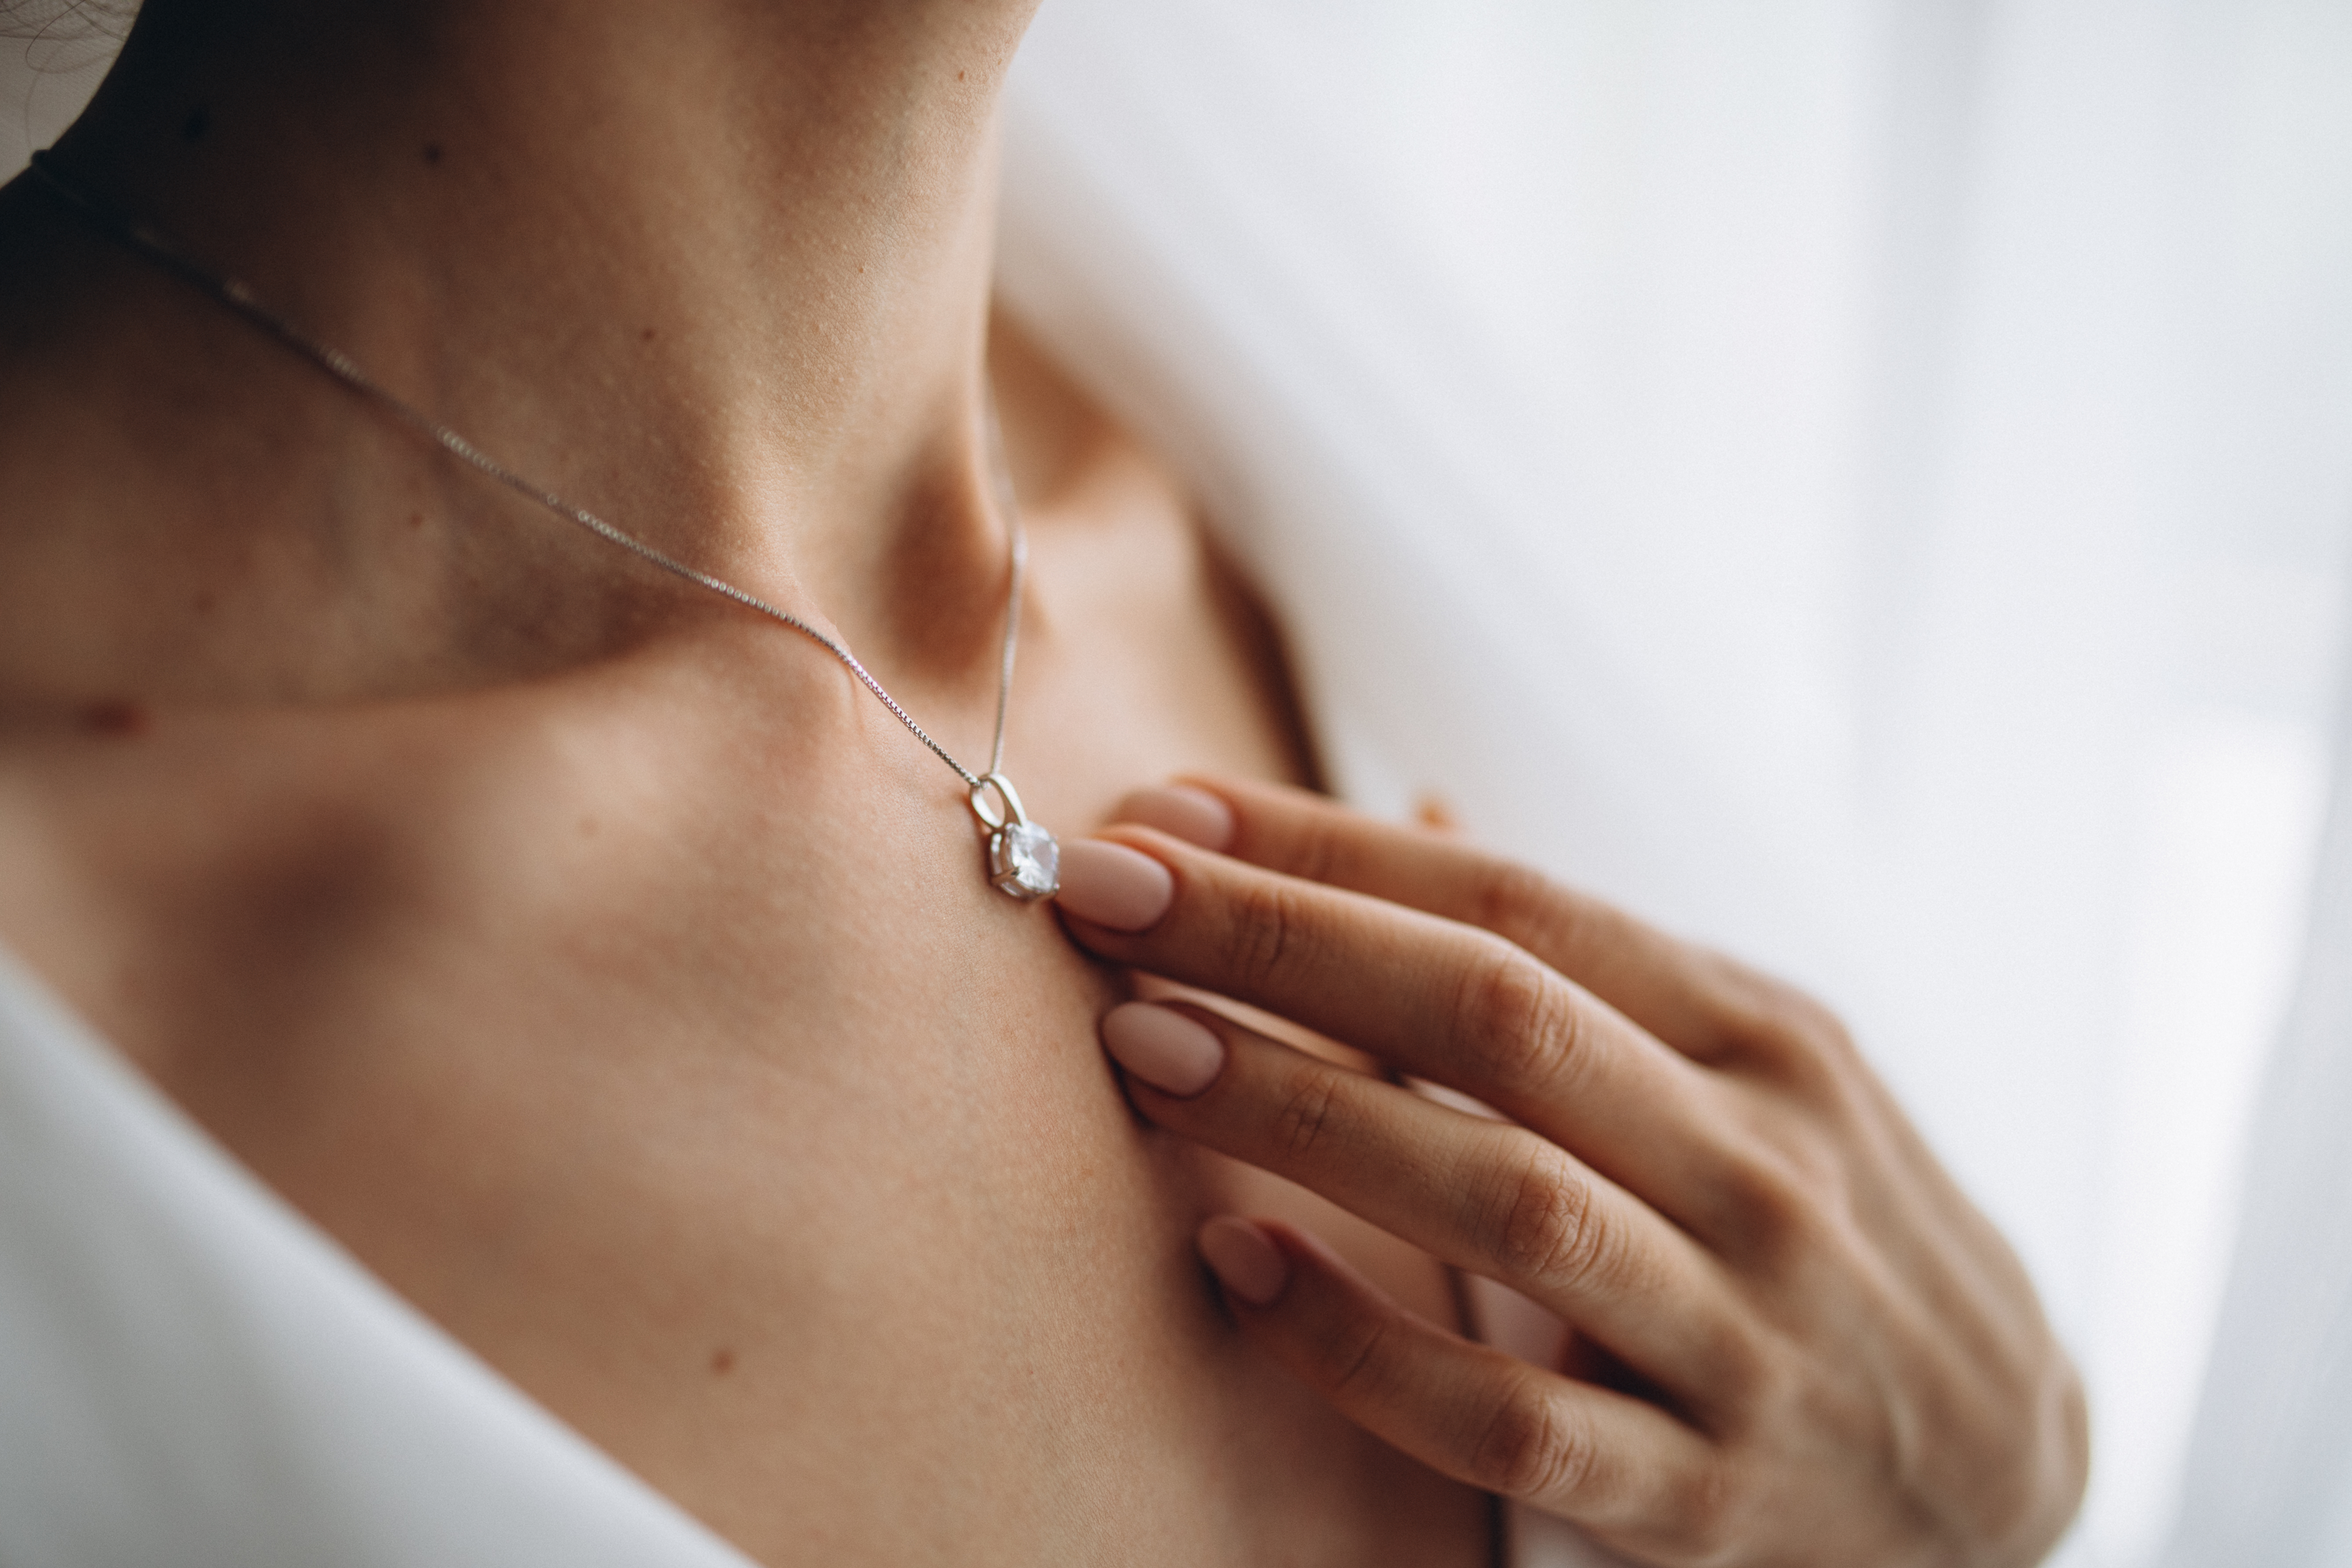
(1024, 860)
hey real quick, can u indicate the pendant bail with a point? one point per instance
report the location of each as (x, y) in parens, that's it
(1006, 808)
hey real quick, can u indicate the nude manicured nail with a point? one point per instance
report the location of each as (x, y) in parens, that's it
(1244, 1259)
(1163, 1047)
(1112, 885)
(1180, 810)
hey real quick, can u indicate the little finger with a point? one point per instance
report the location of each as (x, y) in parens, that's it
(1620, 1467)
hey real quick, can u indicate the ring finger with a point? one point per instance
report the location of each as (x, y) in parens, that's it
(1485, 1195)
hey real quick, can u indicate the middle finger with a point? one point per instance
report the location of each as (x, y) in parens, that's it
(1437, 999)
(1484, 1195)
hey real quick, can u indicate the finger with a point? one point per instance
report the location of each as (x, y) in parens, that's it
(1484, 1195)
(1711, 1008)
(1624, 1469)
(1684, 995)
(1433, 998)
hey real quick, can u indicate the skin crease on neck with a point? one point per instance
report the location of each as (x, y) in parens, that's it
(596, 962)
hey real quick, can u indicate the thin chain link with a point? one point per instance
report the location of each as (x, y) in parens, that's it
(176, 258)
(1010, 507)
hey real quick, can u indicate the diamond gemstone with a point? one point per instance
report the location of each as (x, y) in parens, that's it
(1025, 861)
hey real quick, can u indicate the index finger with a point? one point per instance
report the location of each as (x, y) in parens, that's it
(1430, 996)
(1683, 995)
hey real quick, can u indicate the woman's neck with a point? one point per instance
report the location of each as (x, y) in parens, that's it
(718, 271)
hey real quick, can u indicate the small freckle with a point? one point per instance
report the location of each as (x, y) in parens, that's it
(199, 120)
(723, 1361)
(204, 601)
(432, 152)
(959, 76)
(114, 716)
(647, 336)
(417, 519)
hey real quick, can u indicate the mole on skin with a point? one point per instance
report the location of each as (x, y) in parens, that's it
(114, 716)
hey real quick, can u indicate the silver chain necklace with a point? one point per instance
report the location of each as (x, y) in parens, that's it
(1023, 860)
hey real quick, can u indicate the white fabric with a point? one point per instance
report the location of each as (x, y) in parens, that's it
(192, 1373)
(2268, 1479)
(1861, 480)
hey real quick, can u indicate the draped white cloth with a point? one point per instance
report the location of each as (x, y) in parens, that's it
(1863, 481)
(192, 1373)
(2269, 1479)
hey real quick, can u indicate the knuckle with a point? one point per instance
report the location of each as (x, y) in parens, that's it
(1517, 1023)
(1321, 852)
(1267, 918)
(1714, 1507)
(1304, 1112)
(1353, 1356)
(1777, 1211)
(1548, 1231)
(1786, 1034)
(1514, 901)
(1532, 1446)
(1743, 1374)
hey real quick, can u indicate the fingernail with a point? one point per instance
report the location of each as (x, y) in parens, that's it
(1163, 1047)
(1112, 885)
(1180, 810)
(1244, 1259)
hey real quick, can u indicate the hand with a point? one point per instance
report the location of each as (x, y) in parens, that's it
(1796, 1341)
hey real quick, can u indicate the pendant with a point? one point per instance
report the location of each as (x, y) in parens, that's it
(1023, 860)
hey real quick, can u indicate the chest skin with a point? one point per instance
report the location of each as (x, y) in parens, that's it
(653, 1030)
